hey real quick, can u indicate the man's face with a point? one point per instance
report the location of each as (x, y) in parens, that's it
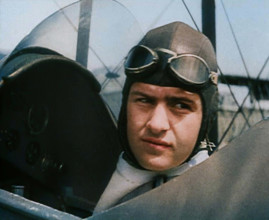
(163, 124)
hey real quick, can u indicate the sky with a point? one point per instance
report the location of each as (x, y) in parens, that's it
(249, 20)
(19, 17)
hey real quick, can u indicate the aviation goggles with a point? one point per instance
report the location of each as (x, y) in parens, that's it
(187, 68)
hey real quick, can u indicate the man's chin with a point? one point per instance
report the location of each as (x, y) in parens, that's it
(156, 165)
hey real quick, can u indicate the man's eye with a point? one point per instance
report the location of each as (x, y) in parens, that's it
(182, 106)
(143, 100)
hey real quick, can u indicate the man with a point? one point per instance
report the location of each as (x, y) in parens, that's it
(168, 106)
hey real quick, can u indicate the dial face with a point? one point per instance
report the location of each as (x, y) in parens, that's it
(37, 119)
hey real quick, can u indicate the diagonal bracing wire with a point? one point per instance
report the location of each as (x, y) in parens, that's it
(192, 18)
(233, 96)
(235, 39)
(248, 75)
(240, 108)
(64, 14)
(160, 15)
(237, 43)
(260, 72)
(118, 66)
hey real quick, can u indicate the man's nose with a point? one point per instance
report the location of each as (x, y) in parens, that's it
(159, 120)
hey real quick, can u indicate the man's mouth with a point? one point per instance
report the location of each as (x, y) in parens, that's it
(155, 142)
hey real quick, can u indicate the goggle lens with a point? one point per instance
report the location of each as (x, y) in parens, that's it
(139, 57)
(190, 68)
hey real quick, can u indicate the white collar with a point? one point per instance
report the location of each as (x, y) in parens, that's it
(134, 174)
(126, 178)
